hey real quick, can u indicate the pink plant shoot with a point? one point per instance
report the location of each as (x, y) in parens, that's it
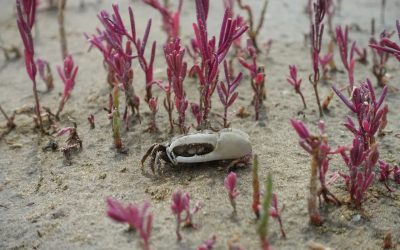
(379, 59)
(317, 146)
(170, 20)
(140, 44)
(346, 55)
(211, 54)
(181, 204)
(226, 92)
(296, 83)
(67, 74)
(388, 46)
(26, 11)
(168, 102)
(325, 61)
(275, 213)
(368, 110)
(230, 183)
(116, 28)
(118, 57)
(257, 78)
(138, 218)
(360, 164)
(176, 72)
(384, 174)
(208, 244)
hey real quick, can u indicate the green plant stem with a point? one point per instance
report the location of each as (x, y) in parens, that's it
(262, 227)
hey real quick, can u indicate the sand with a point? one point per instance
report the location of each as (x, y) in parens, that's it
(47, 202)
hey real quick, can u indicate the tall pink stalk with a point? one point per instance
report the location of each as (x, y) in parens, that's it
(346, 55)
(26, 11)
(176, 72)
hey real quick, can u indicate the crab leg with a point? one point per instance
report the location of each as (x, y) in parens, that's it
(148, 152)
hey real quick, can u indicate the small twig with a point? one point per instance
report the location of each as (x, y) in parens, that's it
(10, 120)
(253, 32)
(63, 38)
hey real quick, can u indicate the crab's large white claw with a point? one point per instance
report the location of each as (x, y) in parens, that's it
(228, 144)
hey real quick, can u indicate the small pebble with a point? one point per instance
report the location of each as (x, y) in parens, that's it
(356, 218)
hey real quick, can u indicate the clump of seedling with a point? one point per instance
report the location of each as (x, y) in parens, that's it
(295, 82)
(257, 78)
(181, 204)
(360, 164)
(74, 143)
(368, 110)
(230, 183)
(317, 146)
(67, 74)
(226, 92)
(317, 30)
(91, 121)
(208, 244)
(176, 73)
(364, 153)
(26, 11)
(118, 56)
(45, 73)
(254, 30)
(137, 217)
(115, 32)
(212, 54)
(388, 46)
(170, 19)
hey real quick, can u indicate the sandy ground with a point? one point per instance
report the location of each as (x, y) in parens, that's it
(46, 203)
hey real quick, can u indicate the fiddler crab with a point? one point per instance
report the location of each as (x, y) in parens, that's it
(206, 146)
